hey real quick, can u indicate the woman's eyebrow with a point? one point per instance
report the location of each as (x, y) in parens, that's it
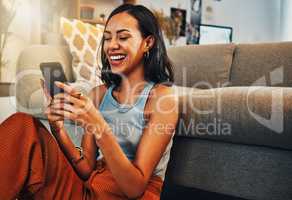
(119, 31)
(122, 30)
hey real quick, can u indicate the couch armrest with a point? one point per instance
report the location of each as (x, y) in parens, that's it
(245, 115)
(28, 74)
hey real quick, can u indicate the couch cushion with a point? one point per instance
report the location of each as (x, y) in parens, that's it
(262, 65)
(245, 115)
(37, 102)
(249, 172)
(202, 66)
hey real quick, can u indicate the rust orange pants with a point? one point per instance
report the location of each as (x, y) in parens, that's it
(32, 166)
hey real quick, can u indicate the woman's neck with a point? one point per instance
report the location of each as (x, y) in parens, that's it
(133, 82)
(131, 86)
(129, 90)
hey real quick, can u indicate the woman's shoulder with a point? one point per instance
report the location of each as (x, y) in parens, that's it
(160, 89)
(162, 102)
(162, 94)
(97, 94)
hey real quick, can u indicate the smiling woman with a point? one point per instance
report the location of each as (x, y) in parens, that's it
(124, 47)
(128, 124)
(142, 38)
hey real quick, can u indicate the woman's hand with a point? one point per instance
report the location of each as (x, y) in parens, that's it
(56, 121)
(79, 108)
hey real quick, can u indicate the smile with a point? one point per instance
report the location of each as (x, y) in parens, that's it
(117, 57)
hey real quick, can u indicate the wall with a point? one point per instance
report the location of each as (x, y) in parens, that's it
(103, 6)
(28, 28)
(106, 6)
(252, 20)
(165, 6)
(23, 33)
(286, 19)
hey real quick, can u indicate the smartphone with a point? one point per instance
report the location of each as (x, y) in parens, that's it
(53, 71)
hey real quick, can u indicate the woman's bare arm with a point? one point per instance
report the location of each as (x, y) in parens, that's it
(87, 164)
(84, 166)
(132, 177)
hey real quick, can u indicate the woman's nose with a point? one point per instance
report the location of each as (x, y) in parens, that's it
(113, 44)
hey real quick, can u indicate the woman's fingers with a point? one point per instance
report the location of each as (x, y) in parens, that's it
(67, 98)
(64, 106)
(65, 114)
(71, 105)
(53, 117)
(82, 104)
(78, 111)
(72, 96)
(68, 89)
(60, 101)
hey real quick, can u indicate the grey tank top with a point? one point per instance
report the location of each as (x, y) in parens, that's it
(127, 123)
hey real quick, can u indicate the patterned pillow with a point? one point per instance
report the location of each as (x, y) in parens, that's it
(84, 43)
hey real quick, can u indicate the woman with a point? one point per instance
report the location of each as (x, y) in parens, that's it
(131, 120)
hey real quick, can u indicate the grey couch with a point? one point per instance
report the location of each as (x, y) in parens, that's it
(234, 137)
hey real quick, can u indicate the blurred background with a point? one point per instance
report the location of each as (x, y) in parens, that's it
(27, 22)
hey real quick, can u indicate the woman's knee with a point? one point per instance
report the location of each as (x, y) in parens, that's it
(16, 120)
(21, 116)
(19, 122)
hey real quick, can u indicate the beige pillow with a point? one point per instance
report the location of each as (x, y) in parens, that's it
(84, 43)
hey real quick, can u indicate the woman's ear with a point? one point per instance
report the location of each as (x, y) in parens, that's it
(149, 42)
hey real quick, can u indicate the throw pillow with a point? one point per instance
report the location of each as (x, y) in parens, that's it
(84, 40)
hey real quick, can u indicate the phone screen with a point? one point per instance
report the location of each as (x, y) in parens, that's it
(53, 71)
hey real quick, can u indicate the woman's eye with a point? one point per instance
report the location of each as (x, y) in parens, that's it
(123, 38)
(106, 38)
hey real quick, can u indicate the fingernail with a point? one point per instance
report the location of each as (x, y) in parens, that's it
(57, 82)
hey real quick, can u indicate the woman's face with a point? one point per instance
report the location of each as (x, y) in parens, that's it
(124, 45)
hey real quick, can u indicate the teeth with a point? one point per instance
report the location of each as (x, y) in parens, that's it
(118, 57)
